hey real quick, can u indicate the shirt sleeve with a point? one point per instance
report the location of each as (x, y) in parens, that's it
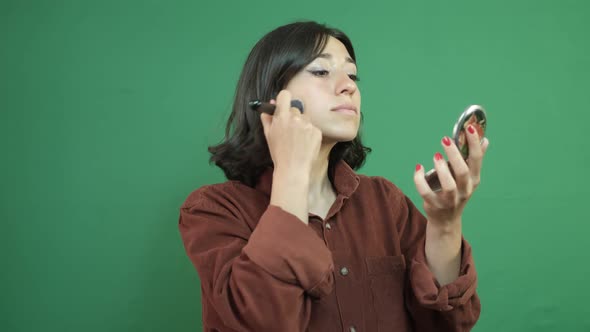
(453, 307)
(251, 277)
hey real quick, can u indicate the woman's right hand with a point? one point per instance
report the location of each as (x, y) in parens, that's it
(294, 143)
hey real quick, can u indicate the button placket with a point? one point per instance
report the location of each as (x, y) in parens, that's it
(344, 271)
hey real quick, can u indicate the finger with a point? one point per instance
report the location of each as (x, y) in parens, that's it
(447, 183)
(475, 153)
(283, 102)
(266, 120)
(422, 186)
(460, 170)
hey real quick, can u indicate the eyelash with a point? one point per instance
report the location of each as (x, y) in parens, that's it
(322, 73)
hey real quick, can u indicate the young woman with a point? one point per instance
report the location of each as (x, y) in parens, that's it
(296, 240)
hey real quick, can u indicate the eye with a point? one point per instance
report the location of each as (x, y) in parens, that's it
(354, 77)
(319, 72)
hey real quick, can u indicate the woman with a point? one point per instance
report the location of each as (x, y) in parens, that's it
(295, 240)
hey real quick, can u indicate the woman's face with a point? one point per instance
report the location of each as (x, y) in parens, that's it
(331, 98)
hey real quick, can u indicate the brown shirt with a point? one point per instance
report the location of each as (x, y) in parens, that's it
(362, 268)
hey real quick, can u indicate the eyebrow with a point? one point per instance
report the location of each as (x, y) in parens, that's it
(329, 57)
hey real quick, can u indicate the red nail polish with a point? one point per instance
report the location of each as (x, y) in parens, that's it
(471, 129)
(446, 141)
(438, 156)
(418, 167)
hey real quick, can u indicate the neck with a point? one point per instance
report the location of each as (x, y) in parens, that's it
(319, 183)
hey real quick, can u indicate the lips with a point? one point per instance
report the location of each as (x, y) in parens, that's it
(345, 108)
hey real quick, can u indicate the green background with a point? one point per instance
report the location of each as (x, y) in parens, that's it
(107, 108)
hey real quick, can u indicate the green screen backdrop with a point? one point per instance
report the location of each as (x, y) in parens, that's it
(107, 109)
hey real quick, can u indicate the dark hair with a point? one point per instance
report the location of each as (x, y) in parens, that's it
(243, 154)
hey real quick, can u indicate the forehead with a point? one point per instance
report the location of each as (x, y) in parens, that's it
(335, 49)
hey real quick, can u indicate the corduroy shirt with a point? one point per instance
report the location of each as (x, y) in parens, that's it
(362, 268)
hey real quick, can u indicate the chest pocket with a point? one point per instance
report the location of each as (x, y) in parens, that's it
(387, 280)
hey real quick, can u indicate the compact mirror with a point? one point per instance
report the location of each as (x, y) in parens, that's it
(474, 115)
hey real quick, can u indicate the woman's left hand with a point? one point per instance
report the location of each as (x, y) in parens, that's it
(444, 208)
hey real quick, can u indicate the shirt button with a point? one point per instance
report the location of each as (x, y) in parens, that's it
(352, 329)
(328, 226)
(344, 272)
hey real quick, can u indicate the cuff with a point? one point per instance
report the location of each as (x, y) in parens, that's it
(428, 291)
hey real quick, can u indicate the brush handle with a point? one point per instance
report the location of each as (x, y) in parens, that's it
(268, 108)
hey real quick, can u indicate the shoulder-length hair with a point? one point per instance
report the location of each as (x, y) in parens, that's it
(243, 153)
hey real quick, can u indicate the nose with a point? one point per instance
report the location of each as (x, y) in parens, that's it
(345, 85)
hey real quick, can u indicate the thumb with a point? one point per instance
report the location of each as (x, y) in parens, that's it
(484, 145)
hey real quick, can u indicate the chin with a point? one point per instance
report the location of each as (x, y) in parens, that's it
(335, 138)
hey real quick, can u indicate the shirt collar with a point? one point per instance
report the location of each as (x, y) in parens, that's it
(345, 180)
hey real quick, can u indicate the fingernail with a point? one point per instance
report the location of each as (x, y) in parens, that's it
(471, 129)
(272, 101)
(446, 141)
(438, 156)
(418, 167)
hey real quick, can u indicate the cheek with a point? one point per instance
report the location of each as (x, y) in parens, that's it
(312, 99)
